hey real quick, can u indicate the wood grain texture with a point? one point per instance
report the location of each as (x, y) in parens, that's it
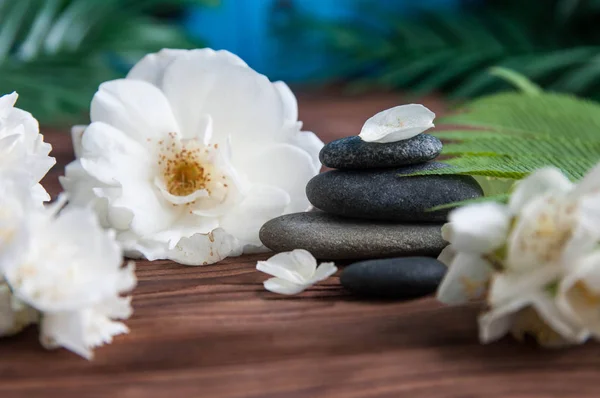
(215, 332)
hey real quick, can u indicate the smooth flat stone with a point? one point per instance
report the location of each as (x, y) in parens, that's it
(384, 195)
(354, 153)
(330, 237)
(406, 277)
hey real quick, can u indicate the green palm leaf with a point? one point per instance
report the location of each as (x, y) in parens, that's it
(55, 53)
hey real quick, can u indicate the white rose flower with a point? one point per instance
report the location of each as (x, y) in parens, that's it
(190, 154)
(67, 268)
(294, 271)
(22, 147)
(397, 124)
(534, 258)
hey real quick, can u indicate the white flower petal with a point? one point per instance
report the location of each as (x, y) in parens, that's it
(286, 167)
(294, 271)
(311, 144)
(152, 67)
(242, 103)
(324, 271)
(479, 228)
(579, 293)
(199, 249)
(541, 182)
(282, 286)
(7, 101)
(138, 109)
(397, 124)
(466, 279)
(261, 204)
(14, 315)
(290, 104)
(506, 286)
(297, 266)
(447, 255)
(590, 184)
(77, 137)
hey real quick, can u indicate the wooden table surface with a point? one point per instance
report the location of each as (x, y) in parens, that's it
(214, 331)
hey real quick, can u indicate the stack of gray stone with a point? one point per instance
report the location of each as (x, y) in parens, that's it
(367, 208)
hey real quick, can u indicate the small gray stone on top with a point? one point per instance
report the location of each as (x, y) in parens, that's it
(329, 237)
(354, 153)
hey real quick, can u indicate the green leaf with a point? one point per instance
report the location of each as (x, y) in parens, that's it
(510, 135)
(55, 53)
(516, 79)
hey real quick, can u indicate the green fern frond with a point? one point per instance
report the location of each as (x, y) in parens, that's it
(510, 135)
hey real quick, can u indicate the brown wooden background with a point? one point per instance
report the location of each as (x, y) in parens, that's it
(215, 332)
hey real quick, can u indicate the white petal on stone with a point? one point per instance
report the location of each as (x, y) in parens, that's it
(282, 286)
(152, 67)
(286, 167)
(76, 137)
(241, 102)
(290, 104)
(397, 124)
(139, 109)
(466, 279)
(541, 182)
(311, 144)
(261, 204)
(479, 228)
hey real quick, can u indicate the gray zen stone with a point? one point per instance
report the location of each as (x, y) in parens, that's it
(354, 153)
(335, 238)
(406, 277)
(385, 195)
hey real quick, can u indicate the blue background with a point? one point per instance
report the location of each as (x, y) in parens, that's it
(246, 28)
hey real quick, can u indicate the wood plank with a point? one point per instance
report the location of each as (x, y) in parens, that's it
(215, 332)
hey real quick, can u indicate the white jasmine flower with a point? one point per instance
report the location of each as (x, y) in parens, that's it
(294, 271)
(69, 269)
(190, 154)
(22, 148)
(534, 259)
(397, 124)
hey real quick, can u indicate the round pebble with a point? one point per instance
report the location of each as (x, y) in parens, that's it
(329, 237)
(400, 278)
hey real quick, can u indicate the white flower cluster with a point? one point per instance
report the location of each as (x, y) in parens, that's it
(58, 267)
(536, 261)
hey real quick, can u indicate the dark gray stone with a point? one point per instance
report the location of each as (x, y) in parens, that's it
(330, 237)
(407, 277)
(385, 195)
(354, 153)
